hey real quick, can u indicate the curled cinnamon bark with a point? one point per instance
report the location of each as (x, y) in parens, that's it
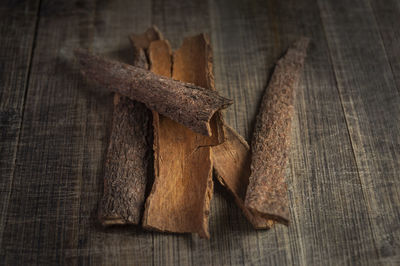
(267, 190)
(185, 103)
(128, 154)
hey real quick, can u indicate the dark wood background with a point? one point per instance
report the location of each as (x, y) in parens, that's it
(344, 169)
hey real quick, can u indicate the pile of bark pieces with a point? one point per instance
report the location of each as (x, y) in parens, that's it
(168, 137)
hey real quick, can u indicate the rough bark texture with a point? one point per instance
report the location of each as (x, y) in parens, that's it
(231, 162)
(185, 103)
(126, 165)
(183, 187)
(267, 190)
(128, 155)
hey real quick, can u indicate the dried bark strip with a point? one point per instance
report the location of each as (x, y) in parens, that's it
(182, 191)
(231, 162)
(185, 103)
(267, 190)
(128, 155)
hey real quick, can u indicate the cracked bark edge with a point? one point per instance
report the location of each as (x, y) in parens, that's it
(231, 162)
(183, 187)
(267, 190)
(128, 154)
(187, 104)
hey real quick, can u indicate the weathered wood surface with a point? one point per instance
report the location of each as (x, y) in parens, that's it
(17, 29)
(343, 170)
(371, 104)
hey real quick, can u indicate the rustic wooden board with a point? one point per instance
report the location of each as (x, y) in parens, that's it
(371, 103)
(17, 34)
(344, 165)
(323, 175)
(51, 218)
(317, 195)
(387, 15)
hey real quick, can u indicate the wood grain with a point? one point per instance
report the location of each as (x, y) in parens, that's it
(243, 56)
(17, 28)
(371, 103)
(387, 15)
(57, 182)
(343, 204)
(322, 181)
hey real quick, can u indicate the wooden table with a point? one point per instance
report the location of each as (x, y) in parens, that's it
(344, 169)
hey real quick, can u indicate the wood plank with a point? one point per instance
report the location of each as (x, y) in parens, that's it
(17, 34)
(327, 199)
(340, 215)
(8, 8)
(58, 177)
(243, 58)
(326, 214)
(244, 55)
(371, 103)
(387, 15)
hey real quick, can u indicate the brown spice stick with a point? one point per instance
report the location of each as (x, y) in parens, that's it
(267, 190)
(128, 153)
(185, 103)
(182, 191)
(232, 168)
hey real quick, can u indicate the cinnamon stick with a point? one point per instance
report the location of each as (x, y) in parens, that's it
(185, 103)
(267, 190)
(182, 191)
(126, 167)
(231, 162)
